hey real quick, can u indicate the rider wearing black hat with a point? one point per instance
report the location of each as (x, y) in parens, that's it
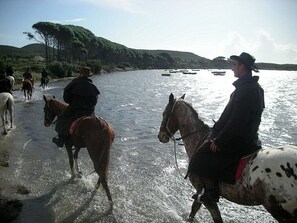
(234, 135)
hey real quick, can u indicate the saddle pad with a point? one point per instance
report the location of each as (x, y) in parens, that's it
(75, 124)
(242, 163)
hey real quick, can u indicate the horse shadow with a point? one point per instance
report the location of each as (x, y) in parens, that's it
(44, 207)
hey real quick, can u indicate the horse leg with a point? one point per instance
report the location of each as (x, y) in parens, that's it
(195, 207)
(70, 157)
(214, 211)
(75, 157)
(3, 122)
(105, 186)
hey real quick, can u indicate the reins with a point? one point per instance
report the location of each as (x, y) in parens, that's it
(171, 136)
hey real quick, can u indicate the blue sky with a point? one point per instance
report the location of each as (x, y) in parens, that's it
(265, 28)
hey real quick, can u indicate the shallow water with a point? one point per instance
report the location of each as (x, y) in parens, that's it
(143, 179)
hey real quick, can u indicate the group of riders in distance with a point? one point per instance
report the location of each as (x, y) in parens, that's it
(226, 160)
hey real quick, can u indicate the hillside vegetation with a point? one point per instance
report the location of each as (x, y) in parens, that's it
(65, 48)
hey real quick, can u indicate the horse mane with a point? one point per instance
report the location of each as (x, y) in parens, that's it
(59, 105)
(195, 114)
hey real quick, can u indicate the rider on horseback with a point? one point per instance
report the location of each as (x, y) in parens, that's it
(5, 85)
(28, 75)
(81, 95)
(234, 135)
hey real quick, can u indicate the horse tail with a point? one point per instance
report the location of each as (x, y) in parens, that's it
(108, 135)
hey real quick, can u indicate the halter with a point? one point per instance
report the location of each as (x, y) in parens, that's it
(166, 120)
(46, 115)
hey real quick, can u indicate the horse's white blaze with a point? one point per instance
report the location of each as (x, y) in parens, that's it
(277, 167)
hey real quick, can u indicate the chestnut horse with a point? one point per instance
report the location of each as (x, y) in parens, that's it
(92, 132)
(6, 103)
(268, 179)
(28, 89)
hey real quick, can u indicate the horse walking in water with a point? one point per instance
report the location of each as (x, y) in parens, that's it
(91, 132)
(27, 88)
(269, 177)
(44, 82)
(12, 81)
(6, 103)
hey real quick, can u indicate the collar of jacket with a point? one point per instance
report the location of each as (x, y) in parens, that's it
(245, 79)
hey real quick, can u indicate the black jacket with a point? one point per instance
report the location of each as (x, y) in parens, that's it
(236, 130)
(81, 95)
(5, 85)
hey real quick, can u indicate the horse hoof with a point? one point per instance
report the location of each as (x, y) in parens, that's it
(79, 175)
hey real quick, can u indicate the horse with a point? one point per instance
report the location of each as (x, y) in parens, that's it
(12, 81)
(6, 103)
(44, 82)
(91, 132)
(28, 89)
(269, 177)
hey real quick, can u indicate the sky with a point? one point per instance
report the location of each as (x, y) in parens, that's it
(267, 29)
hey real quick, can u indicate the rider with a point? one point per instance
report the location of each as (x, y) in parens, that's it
(234, 135)
(5, 85)
(28, 75)
(9, 71)
(44, 73)
(81, 95)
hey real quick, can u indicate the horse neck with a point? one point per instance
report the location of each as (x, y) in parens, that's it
(58, 106)
(192, 129)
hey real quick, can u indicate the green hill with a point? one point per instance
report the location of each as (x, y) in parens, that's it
(70, 43)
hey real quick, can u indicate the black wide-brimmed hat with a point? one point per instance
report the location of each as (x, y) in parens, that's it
(247, 59)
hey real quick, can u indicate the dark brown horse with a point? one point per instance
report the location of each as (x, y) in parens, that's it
(268, 179)
(28, 89)
(91, 132)
(44, 82)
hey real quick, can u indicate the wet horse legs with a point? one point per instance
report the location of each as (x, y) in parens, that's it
(105, 186)
(70, 157)
(211, 207)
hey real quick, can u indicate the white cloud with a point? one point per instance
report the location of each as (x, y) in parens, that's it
(263, 46)
(77, 20)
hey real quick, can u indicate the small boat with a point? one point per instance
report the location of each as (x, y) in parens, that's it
(220, 73)
(189, 72)
(166, 74)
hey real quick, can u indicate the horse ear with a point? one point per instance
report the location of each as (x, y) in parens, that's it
(44, 98)
(171, 98)
(183, 97)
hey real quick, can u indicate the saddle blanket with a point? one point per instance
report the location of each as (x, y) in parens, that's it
(77, 122)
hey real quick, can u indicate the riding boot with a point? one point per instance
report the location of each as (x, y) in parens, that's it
(210, 192)
(59, 140)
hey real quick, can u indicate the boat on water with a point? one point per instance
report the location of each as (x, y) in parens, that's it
(218, 72)
(166, 74)
(189, 72)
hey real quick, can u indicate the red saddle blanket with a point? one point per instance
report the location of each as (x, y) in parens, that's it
(241, 166)
(77, 122)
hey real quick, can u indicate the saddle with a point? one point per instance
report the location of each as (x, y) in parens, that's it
(76, 123)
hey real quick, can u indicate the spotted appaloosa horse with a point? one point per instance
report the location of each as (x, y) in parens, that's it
(268, 179)
(91, 132)
(6, 103)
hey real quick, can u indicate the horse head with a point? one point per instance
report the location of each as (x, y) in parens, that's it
(49, 114)
(168, 125)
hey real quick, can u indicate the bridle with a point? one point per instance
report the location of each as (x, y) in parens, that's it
(50, 120)
(166, 120)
